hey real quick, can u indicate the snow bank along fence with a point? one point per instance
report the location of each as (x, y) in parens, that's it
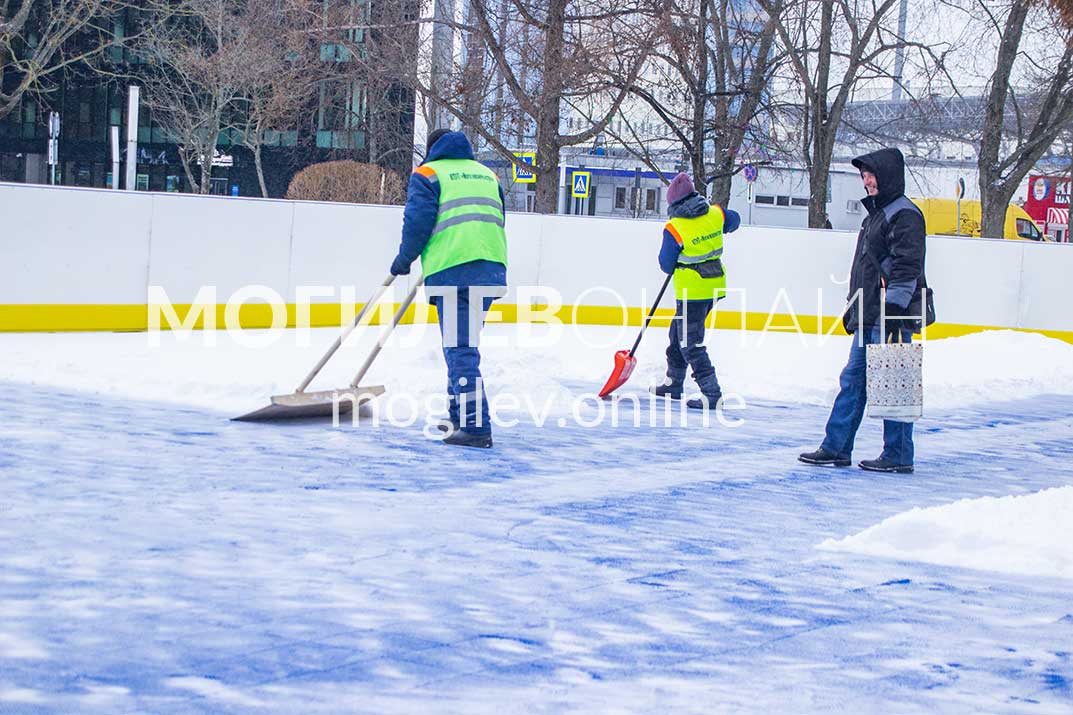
(86, 259)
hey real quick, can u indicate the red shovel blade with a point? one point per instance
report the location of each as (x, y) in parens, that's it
(624, 364)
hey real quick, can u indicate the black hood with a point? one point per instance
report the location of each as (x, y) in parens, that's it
(889, 167)
(452, 145)
(690, 206)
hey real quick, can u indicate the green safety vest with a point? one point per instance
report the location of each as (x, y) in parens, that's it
(701, 239)
(469, 225)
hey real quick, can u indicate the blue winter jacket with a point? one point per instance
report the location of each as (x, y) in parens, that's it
(419, 217)
(691, 206)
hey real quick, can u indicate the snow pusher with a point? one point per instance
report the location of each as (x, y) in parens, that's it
(625, 361)
(322, 402)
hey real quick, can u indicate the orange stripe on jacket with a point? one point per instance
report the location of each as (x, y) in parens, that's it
(674, 232)
(717, 206)
(426, 171)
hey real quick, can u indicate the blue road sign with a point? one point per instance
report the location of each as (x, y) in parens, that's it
(520, 175)
(582, 181)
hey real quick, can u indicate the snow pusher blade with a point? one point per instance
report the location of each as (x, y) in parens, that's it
(325, 402)
(314, 404)
(624, 364)
(625, 361)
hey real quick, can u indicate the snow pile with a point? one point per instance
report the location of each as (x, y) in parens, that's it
(788, 368)
(1030, 535)
(995, 366)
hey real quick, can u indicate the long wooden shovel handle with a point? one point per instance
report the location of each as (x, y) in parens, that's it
(383, 338)
(651, 312)
(346, 334)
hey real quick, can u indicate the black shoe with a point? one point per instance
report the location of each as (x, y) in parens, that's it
(461, 438)
(708, 403)
(822, 458)
(882, 465)
(673, 392)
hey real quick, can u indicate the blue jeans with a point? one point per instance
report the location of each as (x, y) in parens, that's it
(848, 410)
(690, 351)
(464, 363)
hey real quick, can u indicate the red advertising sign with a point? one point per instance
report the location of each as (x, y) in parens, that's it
(1048, 201)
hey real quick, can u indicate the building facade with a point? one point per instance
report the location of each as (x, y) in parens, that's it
(334, 125)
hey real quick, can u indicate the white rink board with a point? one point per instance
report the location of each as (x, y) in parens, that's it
(65, 245)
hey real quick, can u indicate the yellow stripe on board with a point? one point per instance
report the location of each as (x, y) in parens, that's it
(83, 317)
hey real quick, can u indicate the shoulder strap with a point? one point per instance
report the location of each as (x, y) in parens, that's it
(900, 203)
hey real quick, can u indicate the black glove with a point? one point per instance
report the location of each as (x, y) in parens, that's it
(400, 267)
(895, 309)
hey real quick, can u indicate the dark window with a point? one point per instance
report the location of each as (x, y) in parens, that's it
(650, 200)
(762, 199)
(620, 197)
(798, 202)
(782, 200)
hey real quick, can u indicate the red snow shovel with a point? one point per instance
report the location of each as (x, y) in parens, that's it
(624, 359)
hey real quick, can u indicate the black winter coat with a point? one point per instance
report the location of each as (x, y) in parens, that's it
(891, 246)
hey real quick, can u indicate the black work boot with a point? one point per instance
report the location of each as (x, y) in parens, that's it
(671, 387)
(882, 465)
(462, 438)
(668, 389)
(822, 458)
(709, 391)
(705, 401)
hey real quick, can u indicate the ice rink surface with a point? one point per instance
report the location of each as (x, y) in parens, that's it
(158, 558)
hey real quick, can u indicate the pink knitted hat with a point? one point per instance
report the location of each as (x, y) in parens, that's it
(681, 187)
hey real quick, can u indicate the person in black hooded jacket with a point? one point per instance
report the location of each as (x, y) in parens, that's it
(889, 298)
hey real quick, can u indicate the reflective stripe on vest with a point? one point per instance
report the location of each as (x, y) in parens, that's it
(701, 239)
(469, 222)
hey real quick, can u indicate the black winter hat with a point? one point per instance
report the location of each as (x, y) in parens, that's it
(433, 138)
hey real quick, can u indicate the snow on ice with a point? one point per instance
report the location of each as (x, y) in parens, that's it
(159, 558)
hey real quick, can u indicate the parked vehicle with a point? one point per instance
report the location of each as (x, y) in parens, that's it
(941, 217)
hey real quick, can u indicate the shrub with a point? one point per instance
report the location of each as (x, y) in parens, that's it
(349, 182)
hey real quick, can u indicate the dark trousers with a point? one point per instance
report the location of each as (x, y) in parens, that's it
(848, 410)
(686, 346)
(465, 406)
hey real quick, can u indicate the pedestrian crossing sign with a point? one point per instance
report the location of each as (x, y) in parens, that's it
(582, 180)
(520, 175)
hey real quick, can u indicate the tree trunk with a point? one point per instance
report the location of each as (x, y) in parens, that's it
(821, 156)
(184, 159)
(548, 138)
(547, 178)
(817, 200)
(700, 101)
(260, 169)
(206, 170)
(993, 212)
(993, 216)
(720, 193)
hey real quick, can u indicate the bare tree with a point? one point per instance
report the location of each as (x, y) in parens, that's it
(40, 39)
(832, 47)
(197, 65)
(1065, 11)
(524, 62)
(1006, 156)
(380, 38)
(281, 76)
(708, 82)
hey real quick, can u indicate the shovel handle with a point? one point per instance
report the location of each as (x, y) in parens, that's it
(651, 312)
(346, 334)
(383, 338)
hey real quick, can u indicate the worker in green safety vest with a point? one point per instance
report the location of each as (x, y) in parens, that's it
(692, 251)
(454, 220)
